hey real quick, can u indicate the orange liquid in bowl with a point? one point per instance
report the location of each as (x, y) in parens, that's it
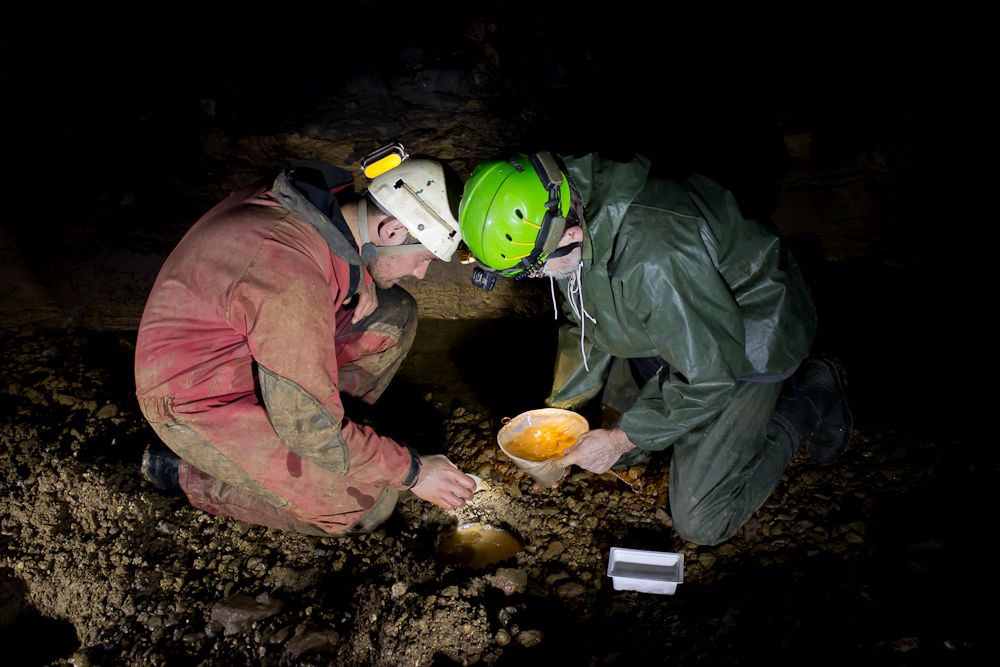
(541, 443)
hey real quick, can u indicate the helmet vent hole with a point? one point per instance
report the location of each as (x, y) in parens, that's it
(518, 213)
(509, 237)
(503, 255)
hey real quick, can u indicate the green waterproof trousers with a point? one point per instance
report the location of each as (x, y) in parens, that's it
(722, 472)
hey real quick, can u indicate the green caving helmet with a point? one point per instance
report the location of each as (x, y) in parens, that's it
(513, 212)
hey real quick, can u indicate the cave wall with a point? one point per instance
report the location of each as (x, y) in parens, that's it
(119, 130)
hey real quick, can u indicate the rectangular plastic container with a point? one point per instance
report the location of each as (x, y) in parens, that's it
(646, 571)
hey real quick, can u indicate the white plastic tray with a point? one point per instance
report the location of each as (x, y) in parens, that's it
(646, 571)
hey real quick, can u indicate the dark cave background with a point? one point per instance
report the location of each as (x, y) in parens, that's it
(121, 127)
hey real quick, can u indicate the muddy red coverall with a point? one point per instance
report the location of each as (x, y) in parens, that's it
(242, 353)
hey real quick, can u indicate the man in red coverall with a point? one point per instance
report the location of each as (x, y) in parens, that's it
(274, 303)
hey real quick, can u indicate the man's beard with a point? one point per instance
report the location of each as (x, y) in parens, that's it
(376, 268)
(562, 271)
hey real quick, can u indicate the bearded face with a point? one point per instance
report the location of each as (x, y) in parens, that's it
(562, 268)
(387, 270)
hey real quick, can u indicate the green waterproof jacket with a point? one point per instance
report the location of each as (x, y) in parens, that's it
(672, 270)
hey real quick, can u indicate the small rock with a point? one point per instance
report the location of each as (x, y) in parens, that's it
(289, 578)
(572, 589)
(81, 660)
(237, 613)
(311, 638)
(280, 635)
(530, 638)
(108, 411)
(510, 580)
(213, 629)
(555, 577)
(554, 549)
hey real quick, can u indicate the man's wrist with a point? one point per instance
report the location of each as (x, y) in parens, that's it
(621, 440)
(413, 472)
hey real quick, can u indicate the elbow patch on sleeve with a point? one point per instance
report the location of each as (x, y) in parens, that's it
(303, 423)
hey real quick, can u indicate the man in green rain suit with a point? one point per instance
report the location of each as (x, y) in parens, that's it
(691, 320)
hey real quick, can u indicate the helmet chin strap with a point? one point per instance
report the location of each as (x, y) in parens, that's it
(538, 271)
(368, 249)
(564, 250)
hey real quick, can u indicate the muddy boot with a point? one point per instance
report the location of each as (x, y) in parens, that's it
(813, 409)
(159, 468)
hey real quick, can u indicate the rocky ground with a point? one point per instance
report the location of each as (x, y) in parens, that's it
(874, 559)
(880, 558)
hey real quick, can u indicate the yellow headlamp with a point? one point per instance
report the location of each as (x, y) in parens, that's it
(383, 159)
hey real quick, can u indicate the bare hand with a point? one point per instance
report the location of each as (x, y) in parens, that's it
(597, 450)
(443, 484)
(367, 302)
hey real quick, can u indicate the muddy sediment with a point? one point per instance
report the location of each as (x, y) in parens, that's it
(861, 560)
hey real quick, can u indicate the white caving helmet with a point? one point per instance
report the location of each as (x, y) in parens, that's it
(415, 193)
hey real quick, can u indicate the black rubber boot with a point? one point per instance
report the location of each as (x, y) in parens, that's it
(814, 405)
(159, 467)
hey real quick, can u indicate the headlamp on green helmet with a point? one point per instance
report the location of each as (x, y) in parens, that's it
(513, 213)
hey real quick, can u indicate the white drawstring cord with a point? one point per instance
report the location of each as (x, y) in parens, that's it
(575, 291)
(552, 288)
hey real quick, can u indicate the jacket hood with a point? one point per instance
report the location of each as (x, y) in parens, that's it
(606, 189)
(306, 190)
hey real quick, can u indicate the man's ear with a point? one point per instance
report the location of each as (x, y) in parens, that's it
(391, 232)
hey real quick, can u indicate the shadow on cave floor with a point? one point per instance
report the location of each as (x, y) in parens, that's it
(497, 368)
(28, 637)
